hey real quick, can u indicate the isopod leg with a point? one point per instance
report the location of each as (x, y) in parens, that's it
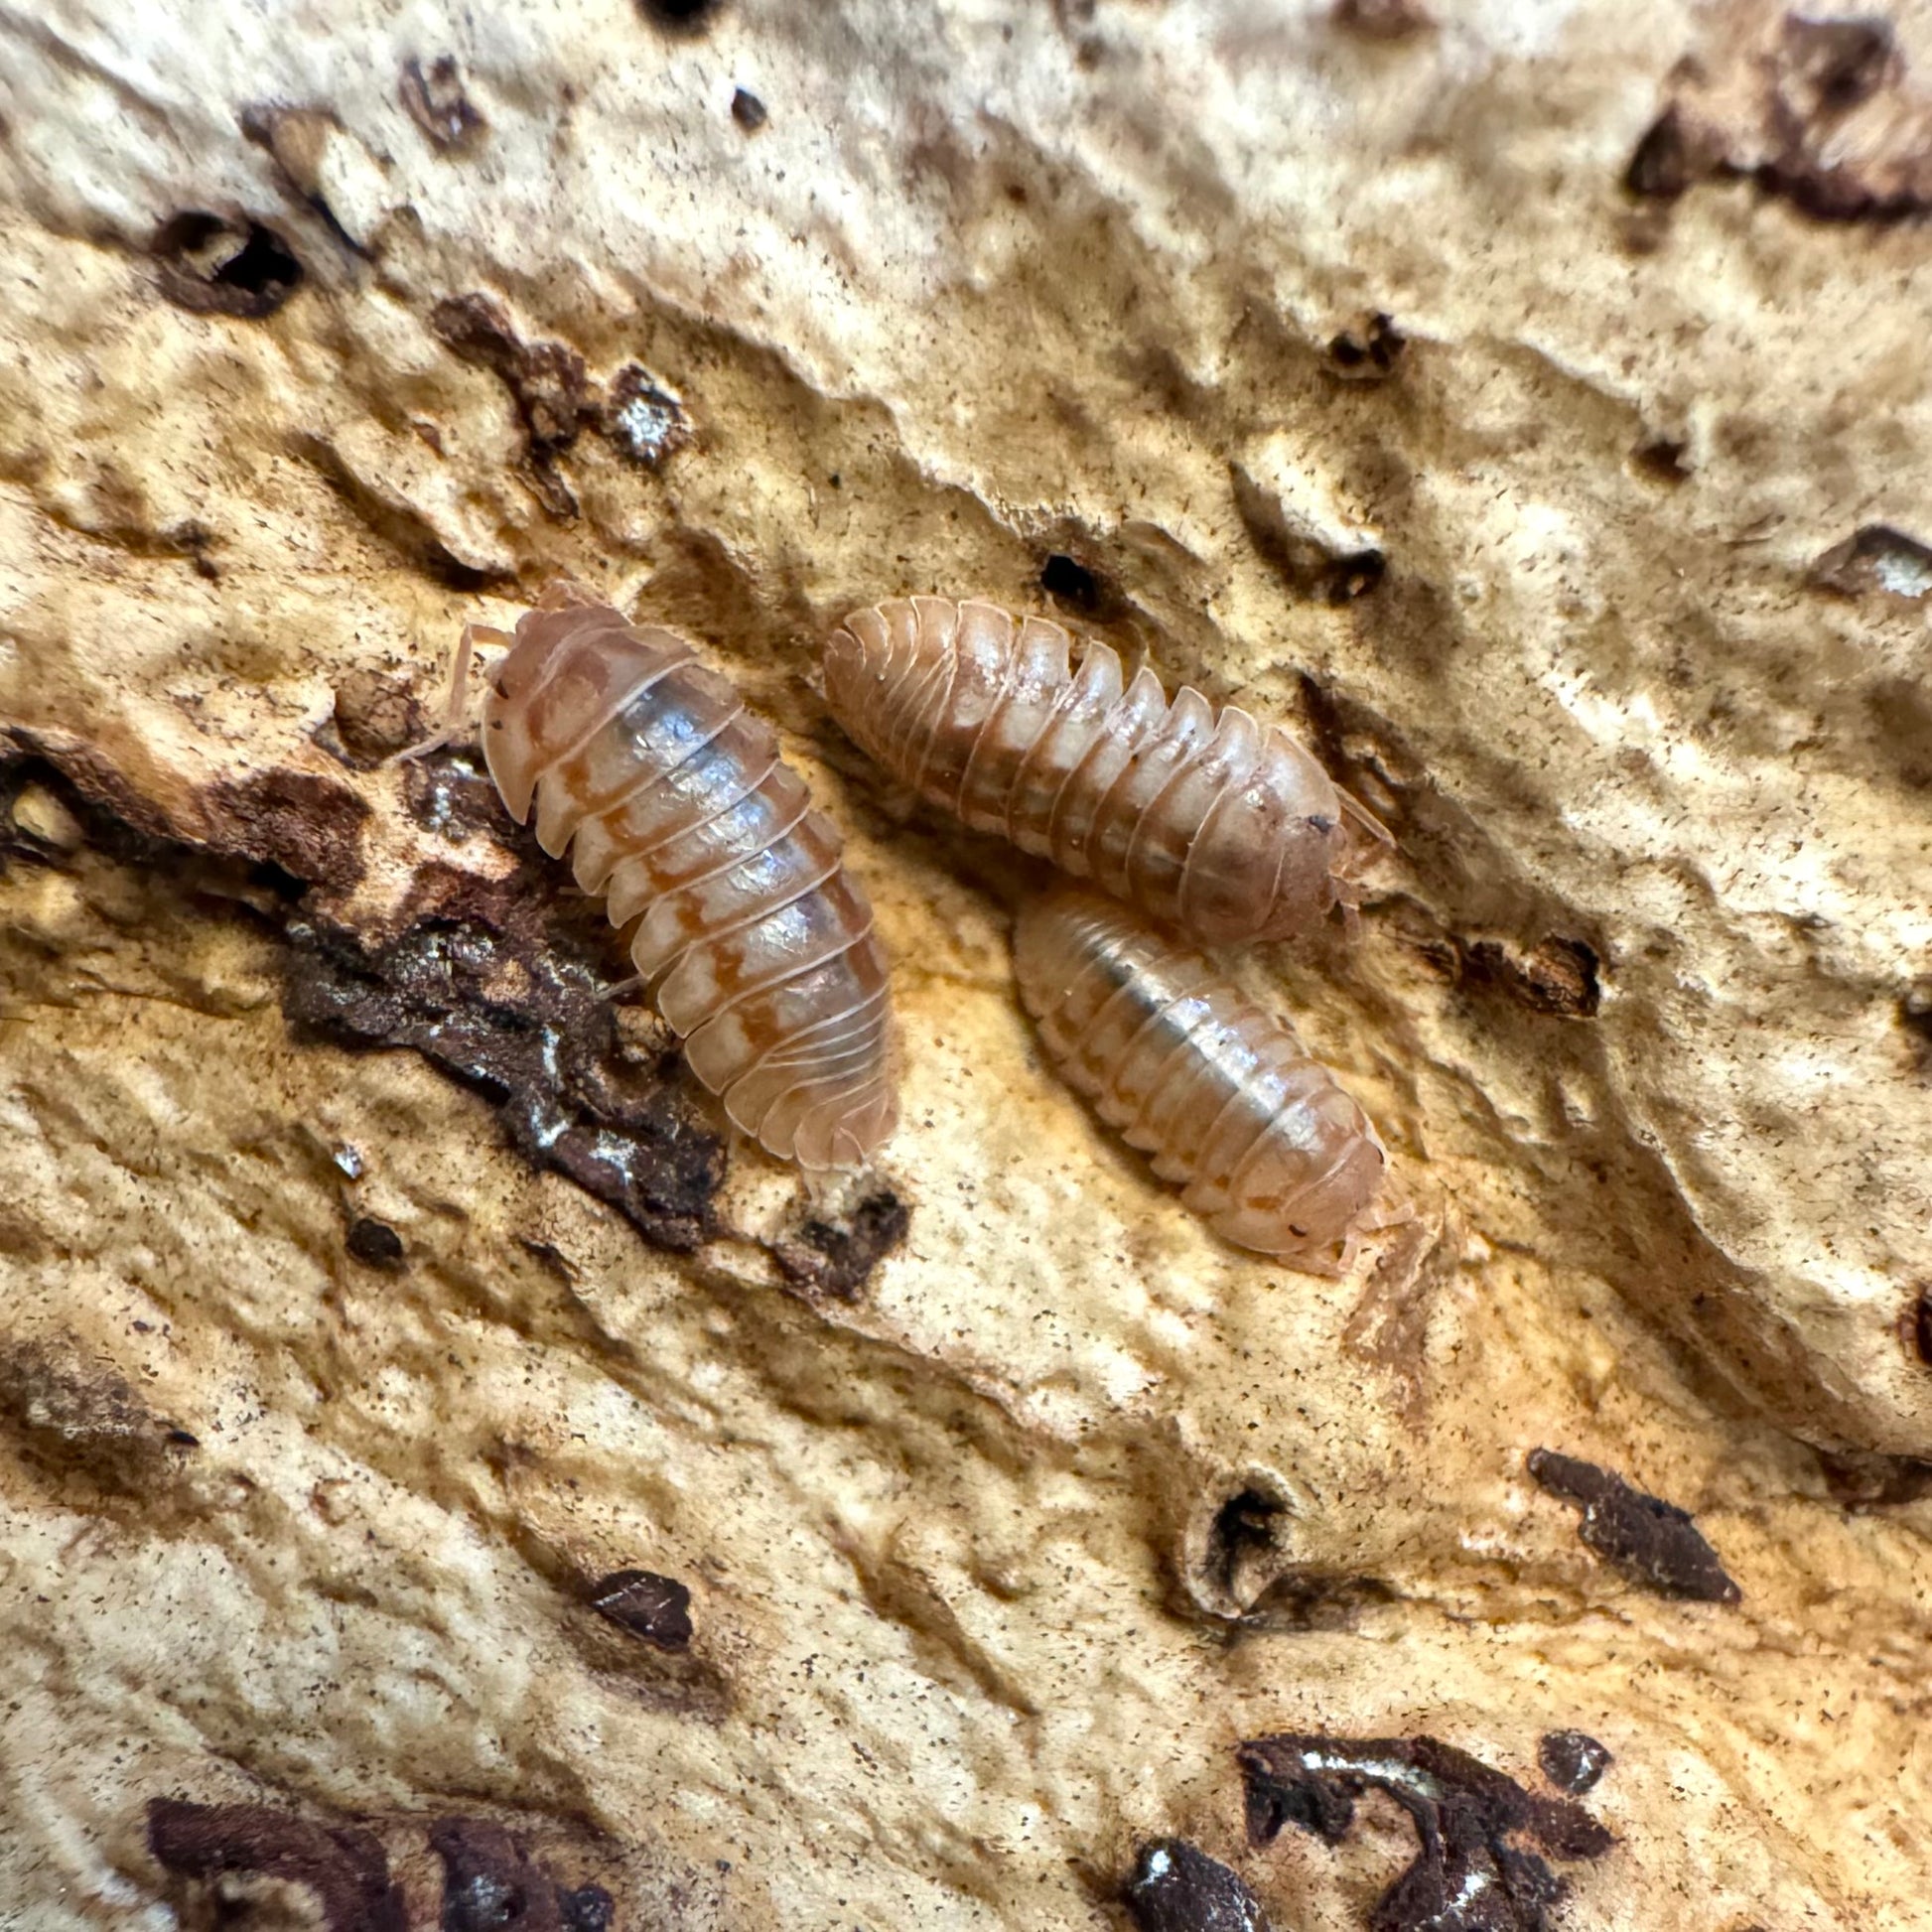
(1349, 907)
(1397, 1214)
(455, 708)
(1366, 832)
(1364, 821)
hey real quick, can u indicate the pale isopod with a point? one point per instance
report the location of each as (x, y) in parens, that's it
(1204, 819)
(1268, 1148)
(758, 945)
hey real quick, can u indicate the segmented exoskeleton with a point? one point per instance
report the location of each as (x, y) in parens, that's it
(1205, 819)
(1267, 1148)
(759, 945)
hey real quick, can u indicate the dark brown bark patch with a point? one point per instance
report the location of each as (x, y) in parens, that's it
(835, 1255)
(304, 824)
(556, 396)
(1177, 1888)
(547, 382)
(432, 98)
(490, 1884)
(654, 1607)
(1474, 1870)
(1818, 112)
(1653, 1543)
(73, 1416)
(1571, 1761)
(489, 988)
(344, 1869)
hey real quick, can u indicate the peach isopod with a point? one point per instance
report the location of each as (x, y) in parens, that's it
(1204, 819)
(1265, 1144)
(758, 944)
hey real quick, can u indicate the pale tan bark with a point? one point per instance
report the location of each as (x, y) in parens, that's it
(1558, 466)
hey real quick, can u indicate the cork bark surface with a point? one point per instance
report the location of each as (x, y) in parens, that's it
(442, 1472)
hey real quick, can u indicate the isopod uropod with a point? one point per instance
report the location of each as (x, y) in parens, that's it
(759, 945)
(1270, 1151)
(1204, 819)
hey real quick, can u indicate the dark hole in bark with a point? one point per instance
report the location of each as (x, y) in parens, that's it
(1861, 1482)
(373, 718)
(1071, 583)
(1915, 1011)
(689, 16)
(1837, 63)
(1383, 20)
(1371, 350)
(1663, 166)
(1355, 575)
(214, 265)
(433, 97)
(1244, 1526)
(748, 110)
(1557, 975)
(376, 1244)
(1661, 461)
(1876, 558)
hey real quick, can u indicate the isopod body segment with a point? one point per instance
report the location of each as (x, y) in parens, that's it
(1267, 1148)
(1205, 819)
(759, 945)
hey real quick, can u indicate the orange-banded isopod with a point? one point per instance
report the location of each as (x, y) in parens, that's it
(758, 945)
(1206, 820)
(1271, 1153)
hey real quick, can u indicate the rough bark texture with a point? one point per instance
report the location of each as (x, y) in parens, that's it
(1531, 403)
